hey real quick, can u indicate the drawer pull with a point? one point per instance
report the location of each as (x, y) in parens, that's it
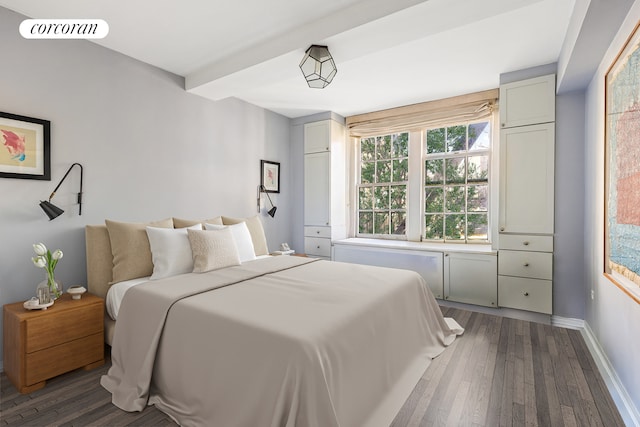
(318, 232)
(526, 264)
(525, 243)
(526, 294)
(318, 247)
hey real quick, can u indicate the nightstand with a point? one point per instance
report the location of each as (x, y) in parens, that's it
(41, 344)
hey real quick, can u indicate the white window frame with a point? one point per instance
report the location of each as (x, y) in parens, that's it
(415, 225)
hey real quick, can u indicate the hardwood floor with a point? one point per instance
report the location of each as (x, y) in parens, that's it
(500, 372)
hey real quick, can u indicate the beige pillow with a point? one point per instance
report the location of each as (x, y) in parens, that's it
(213, 249)
(254, 224)
(130, 248)
(184, 223)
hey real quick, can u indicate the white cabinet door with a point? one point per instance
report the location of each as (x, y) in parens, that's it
(317, 194)
(526, 179)
(317, 137)
(471, 278)
(528, 102)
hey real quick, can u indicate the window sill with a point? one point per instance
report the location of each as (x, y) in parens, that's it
(418, 246)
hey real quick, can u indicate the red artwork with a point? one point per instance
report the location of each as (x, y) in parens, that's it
(628, 166)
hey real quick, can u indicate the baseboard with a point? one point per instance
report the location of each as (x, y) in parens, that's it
(511, 313)
(567, 322)
(618, 392)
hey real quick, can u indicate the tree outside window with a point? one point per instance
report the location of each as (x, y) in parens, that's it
(382, 191)
(456, 184)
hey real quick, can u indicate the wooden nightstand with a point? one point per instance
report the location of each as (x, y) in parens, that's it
(42, 344)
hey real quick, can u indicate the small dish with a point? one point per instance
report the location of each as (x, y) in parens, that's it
(31, 306)
(76, 291)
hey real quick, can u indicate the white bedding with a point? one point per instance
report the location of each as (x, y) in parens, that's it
(116, 293)
(117, 290)
(283, 341)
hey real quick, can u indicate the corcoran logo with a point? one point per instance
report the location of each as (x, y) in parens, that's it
(64, 29)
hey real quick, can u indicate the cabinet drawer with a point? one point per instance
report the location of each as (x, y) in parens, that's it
(48, 363)
(523, 242)
(536, 265)
(62, 326)
(324, 232)
(317, 246)
(525, 294)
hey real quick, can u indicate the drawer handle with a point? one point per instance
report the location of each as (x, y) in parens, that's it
(318, 247)
(526, 264)
(526, 294)
(525, 243)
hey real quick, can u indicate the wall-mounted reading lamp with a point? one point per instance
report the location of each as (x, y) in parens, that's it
(52, 210)
(272, 211)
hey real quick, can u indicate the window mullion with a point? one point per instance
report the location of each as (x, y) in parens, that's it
(415, 187)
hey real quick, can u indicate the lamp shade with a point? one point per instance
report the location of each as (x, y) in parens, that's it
(50, 209)
(318, 66)
(272, 211)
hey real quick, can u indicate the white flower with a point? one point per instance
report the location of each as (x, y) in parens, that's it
(39, 261)
(57, 254)
(40, 249)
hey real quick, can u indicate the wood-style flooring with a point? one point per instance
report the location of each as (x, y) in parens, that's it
(501, 372)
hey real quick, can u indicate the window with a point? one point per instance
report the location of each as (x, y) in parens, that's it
(454, 182)
(382, 189)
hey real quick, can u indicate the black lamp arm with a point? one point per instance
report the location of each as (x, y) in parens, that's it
(264, 190)
(53, 193)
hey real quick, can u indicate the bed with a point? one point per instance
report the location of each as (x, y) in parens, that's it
(270, 341)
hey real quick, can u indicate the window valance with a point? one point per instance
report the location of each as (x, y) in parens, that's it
(462, 108)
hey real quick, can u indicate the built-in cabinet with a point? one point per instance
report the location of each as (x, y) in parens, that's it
(324, 186)
(526, 199)
(471, 278)
(453, 275)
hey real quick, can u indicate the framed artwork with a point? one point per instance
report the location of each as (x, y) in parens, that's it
(622, 168)
(25, 150)
(270, 176)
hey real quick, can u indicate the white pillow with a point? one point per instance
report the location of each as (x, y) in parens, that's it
(242, 237)
(170, 251)
(213, 250)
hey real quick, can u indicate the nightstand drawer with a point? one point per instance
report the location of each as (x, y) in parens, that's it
(48, 363)
(317, 246)
(536, 265)
(62, 326)
(525, 294)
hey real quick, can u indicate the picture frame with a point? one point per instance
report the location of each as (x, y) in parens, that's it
(622, 170)
(270, 176)
(25, 147)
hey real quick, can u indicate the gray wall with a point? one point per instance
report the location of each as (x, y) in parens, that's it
(613, 316)
(149, 150)
(568, 263)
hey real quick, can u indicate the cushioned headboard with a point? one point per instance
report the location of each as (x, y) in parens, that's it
(99, 259)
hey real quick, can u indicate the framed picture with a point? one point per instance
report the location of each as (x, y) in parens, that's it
(622, 168)
(24, 152)
(270, 176)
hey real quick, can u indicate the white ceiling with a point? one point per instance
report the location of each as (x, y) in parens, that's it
(388, 52)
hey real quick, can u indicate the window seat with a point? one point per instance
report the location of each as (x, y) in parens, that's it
(418, 246)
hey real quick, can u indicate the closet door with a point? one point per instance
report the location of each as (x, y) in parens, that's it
(527, 179)
(317, 189)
